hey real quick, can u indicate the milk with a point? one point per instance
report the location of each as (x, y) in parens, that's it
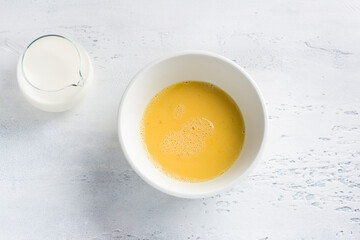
(53, 74)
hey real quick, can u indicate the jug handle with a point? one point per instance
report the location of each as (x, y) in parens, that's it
(12, 47)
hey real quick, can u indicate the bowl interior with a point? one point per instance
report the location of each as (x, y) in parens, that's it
(191, 67)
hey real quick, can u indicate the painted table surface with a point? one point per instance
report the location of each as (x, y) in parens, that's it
(64, 176)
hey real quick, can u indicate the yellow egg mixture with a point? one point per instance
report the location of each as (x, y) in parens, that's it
(192, 131)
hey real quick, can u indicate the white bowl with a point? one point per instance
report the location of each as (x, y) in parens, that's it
(196, 66)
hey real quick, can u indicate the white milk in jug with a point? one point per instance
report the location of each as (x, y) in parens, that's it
(54, 73)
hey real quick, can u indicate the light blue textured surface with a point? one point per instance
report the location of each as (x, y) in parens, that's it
(63, 176)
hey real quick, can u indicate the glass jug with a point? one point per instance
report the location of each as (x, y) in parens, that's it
(54, 73)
